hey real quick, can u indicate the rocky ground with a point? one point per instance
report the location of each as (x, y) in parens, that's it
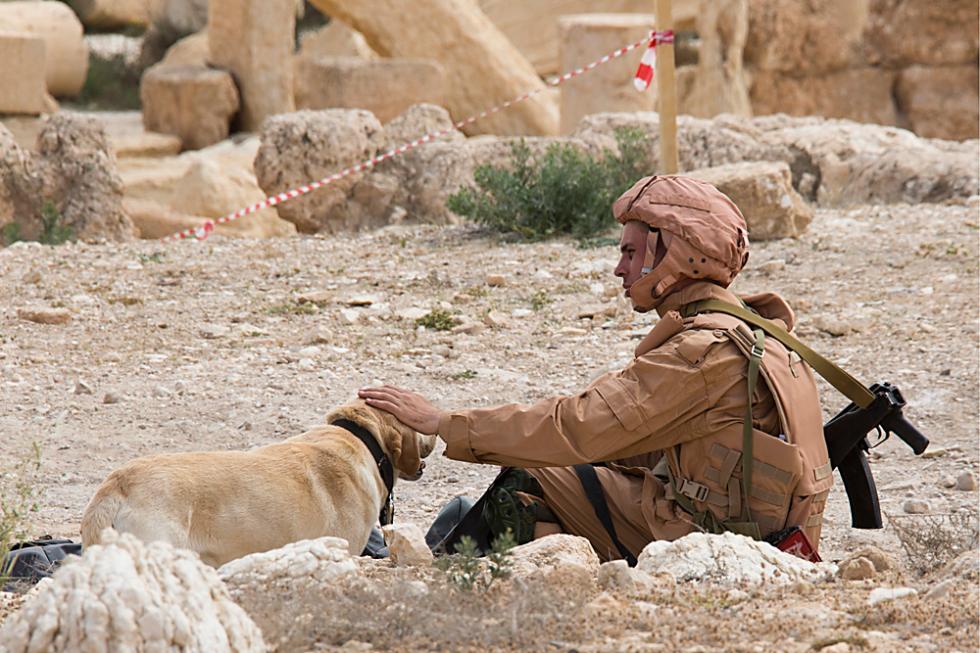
(229, 344)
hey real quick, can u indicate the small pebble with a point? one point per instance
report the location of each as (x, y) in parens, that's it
(858, 568)
(496, 280)
(82, 388)
(111, 398)
(880, 594)
(45, 315)
(915, 507)
(934, 453)
(966, 481)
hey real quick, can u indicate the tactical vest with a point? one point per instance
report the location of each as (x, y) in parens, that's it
(786, 477)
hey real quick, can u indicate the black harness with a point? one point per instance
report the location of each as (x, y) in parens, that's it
(385, 468)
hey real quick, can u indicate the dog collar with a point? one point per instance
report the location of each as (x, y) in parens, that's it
(385, 467)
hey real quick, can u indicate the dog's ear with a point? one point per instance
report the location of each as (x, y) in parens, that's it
(409, 456)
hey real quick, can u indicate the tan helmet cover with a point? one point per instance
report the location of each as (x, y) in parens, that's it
(704, 232)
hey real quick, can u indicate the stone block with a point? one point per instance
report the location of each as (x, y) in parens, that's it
(22, 75)
(859, 94)
(336, 39)
(482, 67)
(919, 32)
(66, 55)
(384, 87)
(112, 14)
(717, 83)
(763, 191)
(196, 104)
(189, 51)
(585, 38)
(940, 101)
(532, 25)
(253, 39)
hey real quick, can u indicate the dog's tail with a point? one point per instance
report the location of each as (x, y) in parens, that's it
(100, 513)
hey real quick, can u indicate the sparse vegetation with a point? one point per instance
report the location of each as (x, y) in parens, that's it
(18, 501)
(930, 541)
(466, 569)
(438, 319)
(564, 192)
(465, 375)
(293, 308)
(539, 300)
(53, 230)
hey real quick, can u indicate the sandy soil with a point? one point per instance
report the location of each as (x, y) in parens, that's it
(205, 345)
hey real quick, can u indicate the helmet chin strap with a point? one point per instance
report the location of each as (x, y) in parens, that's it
(643, 292)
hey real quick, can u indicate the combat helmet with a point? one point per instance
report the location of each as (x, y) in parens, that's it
(699, 235)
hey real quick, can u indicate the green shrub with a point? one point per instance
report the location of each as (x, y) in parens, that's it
(437, 319)
(465, 568)
(565, 192)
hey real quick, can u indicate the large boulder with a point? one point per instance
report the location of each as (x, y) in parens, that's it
(803, 39)
(124, 595)
(763, 191)
(65, 53)
(728, 559)
(717, 83)
(532, 25)
(859, 94)
(385, 87)
(192, 50)
(556, 564)
(112, 14)
(482, 67)
(22, 75)
(20, 180)
(193, 103)
(587, 37)
(915, 32)
(335, 39)
(254, 40)
(307, 146)
(211, 190)
(940, 101)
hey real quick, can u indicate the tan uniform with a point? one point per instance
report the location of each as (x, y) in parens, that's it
(683, 399)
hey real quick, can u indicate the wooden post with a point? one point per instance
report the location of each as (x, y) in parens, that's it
(666, 92)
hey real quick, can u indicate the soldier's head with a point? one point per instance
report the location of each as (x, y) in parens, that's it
(677, 230)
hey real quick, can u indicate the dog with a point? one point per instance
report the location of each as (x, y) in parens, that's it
(228, 504)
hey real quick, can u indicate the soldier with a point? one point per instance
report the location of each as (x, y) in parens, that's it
(711, 427)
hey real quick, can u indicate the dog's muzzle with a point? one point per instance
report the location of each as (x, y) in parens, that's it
(417, 475)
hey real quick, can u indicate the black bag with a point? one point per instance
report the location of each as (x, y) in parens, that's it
(37, 559)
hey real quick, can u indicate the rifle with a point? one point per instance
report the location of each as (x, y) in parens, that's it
(876, 408)
(847, 443)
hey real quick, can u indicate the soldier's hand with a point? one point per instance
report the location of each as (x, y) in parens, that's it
(409, 408)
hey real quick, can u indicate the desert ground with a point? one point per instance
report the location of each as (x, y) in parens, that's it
(234, 343)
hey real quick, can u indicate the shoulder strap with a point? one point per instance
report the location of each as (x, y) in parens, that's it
(593, 491)
(834, 375)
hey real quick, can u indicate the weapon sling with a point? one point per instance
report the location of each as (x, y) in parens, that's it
(835, 376)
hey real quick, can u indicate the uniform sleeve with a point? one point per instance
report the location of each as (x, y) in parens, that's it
(659, 400)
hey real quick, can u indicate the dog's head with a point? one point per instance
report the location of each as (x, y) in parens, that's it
(404, 446)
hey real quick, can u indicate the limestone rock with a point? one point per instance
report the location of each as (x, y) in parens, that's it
(728, 559)
(212, 191)
(804, 39)
(80, 177)
(586, 37)
(335, 39)
(940, 102)
(65, 53)
(179, 16)
(482, 67)
(859, 94)
(308, 145)
(856, 568)
(385, 87)
(20, 181)
(44, 315)
(532, 26)
(915, 507)
(22, 75)
(253, 39)
(966, 481)
(155, 220)
(906, 32)
(302, 574)
(882, 594)
(189, 51)
(112, 14)
(554, 562)
(764, 192)
(196, 104)
(126, 595)
(406, 544)
(717, 83)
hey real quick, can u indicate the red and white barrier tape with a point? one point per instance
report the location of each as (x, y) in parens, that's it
(207, 227)
(644, 73)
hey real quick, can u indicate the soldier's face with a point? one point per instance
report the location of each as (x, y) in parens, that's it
(632, 248)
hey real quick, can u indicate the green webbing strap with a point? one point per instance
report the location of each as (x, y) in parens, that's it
(758, 349)
(835, 376)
